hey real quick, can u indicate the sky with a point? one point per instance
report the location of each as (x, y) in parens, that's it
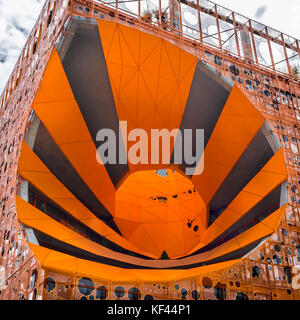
(17, 18)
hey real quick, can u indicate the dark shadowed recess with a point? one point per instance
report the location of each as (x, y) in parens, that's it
(53, 210)
(85, 66)
(273, 201)
(50, 154)
(208, 95)
(260, 150)
(54, 244)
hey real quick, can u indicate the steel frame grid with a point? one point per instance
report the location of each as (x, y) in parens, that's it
(24, 81)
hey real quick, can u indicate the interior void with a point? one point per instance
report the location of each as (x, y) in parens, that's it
(147, 216)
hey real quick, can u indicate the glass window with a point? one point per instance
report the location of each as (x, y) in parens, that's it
(53, 212)
(41, 205)
(31, 197)
(64, 218)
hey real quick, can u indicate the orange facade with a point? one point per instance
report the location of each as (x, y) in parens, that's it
(162, 233)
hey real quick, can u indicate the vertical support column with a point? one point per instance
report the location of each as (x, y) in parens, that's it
(174, 14)
(286, 56)
(160, 14)
(298, 47)
(298, 50)
(236, 34)
(71, 9)
(32, 130)
(92, 5)
(253, 42)
(73, 282)
(199, 22)
(218, 26)
(23, 192)
(270, 48)
(246, 42)
(180, 18)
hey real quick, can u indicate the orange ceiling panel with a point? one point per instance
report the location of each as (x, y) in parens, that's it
(34, 218)
(150, 78)
(233, 132)
(52, 261)
(159, 214)
(162, 216)
(55, 105)
(271, 175)
(33, 170)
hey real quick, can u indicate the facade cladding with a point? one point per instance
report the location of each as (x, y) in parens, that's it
(74, 229)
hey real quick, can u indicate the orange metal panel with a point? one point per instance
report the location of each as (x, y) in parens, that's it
(51, 260)
(285, 115)
(255, 191)
(159, 213)
(55, 105)
(32, 169)
(262, 229)
(236, 127)
(150, 78)
(36, 219)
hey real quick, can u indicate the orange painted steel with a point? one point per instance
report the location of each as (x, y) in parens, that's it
(150, 79)
(136, 210)
(234, 130)
(34, 218)
(31, 168)
(272, 175)
(277, 97)
(55, 105)
(158, 225)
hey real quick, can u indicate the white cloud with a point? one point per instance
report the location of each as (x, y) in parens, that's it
(17, 18)
(260, 12)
